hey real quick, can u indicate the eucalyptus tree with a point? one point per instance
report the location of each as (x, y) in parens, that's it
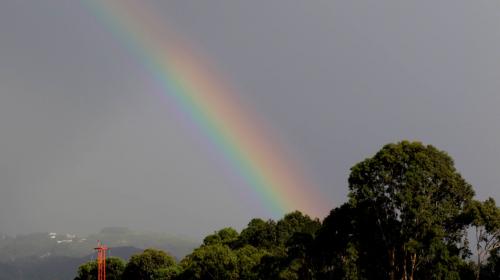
(485, 218)
(410, 201)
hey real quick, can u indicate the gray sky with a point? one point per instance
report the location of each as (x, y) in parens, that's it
(84, 145)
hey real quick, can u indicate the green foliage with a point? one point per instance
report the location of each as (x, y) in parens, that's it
(87, 271)
(147, 265)
(263, 250)
(491, 270)
(415, 200)
(486, 214)
(260, 234)
(485, 221)
(334, 251)
(227, 236)
(406, 218)
(288, 255)
(295, 222)
(114, 269)
(215, 261)
(248, 259)
(171, 272)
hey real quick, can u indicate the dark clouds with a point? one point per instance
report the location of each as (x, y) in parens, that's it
(84, 143)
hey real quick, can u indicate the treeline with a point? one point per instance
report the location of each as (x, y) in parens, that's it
(409, 215)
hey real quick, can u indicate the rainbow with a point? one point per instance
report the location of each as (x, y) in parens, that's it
(211, 106)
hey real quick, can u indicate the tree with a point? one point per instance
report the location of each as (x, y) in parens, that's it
(260, 234)
(485, 218)
(293, 223)
(216, 261)
(168, 273)
(248, 259)
(296, 233)
(114, 269)
(411, 200)
(334, 251)
(491, 270)
(227, 236)
(148, 264)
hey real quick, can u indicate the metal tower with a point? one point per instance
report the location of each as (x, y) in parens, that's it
(101, 261)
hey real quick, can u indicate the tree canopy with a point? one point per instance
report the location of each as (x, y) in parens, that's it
(407, 216)
(412, 201)
(146, 265)
(114, 269)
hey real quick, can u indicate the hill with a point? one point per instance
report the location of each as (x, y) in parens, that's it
(41, 256)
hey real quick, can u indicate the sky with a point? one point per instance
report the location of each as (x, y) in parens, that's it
(86, 142)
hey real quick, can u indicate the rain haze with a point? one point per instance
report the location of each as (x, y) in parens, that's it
(86, 142)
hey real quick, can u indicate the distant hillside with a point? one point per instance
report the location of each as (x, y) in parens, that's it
(53, 267)
(44, 256)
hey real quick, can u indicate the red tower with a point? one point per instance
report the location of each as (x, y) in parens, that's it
(101, 261)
